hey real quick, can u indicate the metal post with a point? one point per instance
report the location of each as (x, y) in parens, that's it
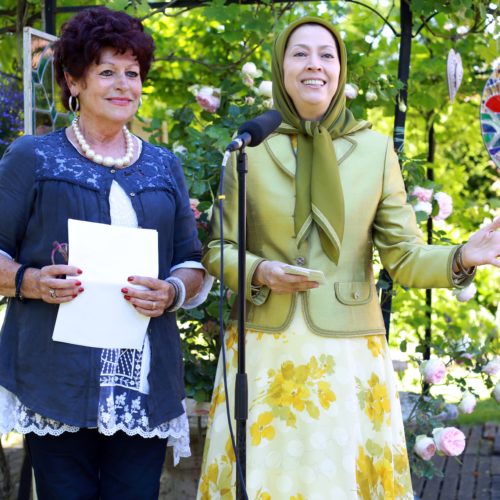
(49, 16)
(399, 133)
(241, 388)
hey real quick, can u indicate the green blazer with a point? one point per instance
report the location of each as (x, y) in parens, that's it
(376, 213)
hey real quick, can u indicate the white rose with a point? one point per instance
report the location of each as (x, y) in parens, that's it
(424, 447)
(251, 70)
(371, 95)
(467, 404)
(268, 103)
(465, 294)
(265, 88)
(423, 206)
(351, 91)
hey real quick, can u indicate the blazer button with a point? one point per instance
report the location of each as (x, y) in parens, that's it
(132, 194)
(300, 261)
(112, 170)
(356, 295)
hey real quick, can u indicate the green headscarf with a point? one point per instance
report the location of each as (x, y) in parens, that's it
(319, 196)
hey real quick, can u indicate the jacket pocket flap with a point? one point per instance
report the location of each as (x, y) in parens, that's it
(353, 293)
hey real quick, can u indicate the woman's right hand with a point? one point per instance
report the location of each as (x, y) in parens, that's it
(271, 273)
(49, 285)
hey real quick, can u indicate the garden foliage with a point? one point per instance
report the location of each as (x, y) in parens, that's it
(212, 73)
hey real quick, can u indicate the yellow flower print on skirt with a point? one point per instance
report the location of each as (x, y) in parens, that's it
(324, 420)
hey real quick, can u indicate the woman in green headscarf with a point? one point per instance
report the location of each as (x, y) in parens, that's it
(324, 417)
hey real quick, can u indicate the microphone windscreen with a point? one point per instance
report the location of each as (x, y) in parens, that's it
(259, 128)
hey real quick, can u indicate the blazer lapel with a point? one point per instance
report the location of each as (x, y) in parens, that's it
(344, 146)
(280, 150)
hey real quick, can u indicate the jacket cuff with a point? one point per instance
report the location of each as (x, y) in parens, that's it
(463, 278)
(256, 294)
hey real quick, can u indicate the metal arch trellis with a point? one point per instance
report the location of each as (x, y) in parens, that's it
(384, 283)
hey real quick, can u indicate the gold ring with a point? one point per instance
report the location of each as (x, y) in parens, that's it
(52, 293)
(154, 306)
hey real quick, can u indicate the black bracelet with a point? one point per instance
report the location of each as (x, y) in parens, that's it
(177, 293)
(180, 293)
(468, 271)
(19, 280)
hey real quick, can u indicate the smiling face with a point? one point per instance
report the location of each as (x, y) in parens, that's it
(109, 92)
(311, 69)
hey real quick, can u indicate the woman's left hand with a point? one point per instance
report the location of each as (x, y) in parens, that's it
(483, 246)
(151, 302)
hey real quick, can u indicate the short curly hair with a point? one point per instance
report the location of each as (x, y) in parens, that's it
(86, 35)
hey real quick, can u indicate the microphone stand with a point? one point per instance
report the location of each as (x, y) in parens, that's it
(241, 386)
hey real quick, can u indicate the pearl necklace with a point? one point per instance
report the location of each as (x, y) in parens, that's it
(107, 161)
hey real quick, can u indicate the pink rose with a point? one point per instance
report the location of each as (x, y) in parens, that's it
(209, 99)
(194, 204)
(465, 294)
(492, 367)
(422, 194)
(445, 205)
(467, 404)
(433, 371)
(248, 80)
(449, 440)
(496, 392)
(424, 447)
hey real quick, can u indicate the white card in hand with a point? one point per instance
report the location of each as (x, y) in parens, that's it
(107, 255)
(311, 274)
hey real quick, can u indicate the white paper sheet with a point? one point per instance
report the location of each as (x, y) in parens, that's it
(107, 255)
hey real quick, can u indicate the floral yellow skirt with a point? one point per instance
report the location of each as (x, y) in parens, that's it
(324, 420)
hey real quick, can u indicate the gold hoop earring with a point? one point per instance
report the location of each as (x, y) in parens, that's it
(73, 103)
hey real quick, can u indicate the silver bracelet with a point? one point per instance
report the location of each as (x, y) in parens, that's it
(180, 293)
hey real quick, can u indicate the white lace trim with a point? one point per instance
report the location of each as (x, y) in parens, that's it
(16, 416)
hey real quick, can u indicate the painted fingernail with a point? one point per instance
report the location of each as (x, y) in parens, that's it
(124, 290)
(79, 271)
(75, 295)
(80, 290)
(78, 283)
(126, 297)
(130, 278)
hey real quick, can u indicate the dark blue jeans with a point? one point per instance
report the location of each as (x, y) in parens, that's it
(86, 465)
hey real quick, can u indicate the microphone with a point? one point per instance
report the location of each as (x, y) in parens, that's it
(253, 132)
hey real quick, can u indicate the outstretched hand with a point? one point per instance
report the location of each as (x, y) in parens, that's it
(483, 246)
